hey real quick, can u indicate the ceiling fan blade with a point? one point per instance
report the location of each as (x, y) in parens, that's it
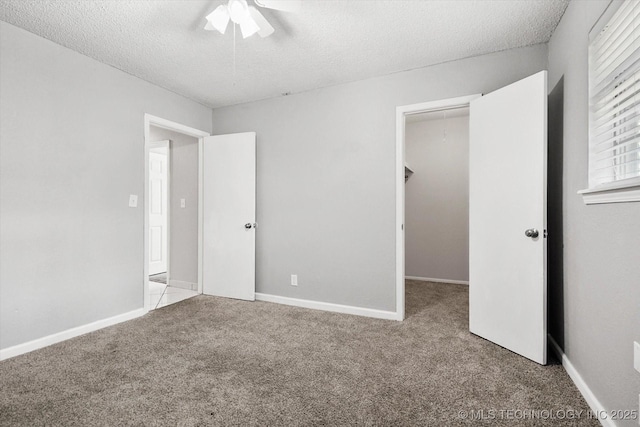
(283, 5)
(248, 27)
(218, 19)
(265, 28)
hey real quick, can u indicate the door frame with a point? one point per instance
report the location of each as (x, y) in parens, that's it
(148, 147)
(150, 120)
(401, 113)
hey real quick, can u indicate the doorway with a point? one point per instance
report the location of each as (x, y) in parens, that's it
(436, 108)
(159, 223)
(507, 213)
(173, 212)
(437, 196)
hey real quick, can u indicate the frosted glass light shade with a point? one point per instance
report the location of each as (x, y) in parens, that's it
(248, 27)
(218, 19)
(238, 10)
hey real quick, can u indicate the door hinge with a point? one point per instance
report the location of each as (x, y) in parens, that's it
(545, 234)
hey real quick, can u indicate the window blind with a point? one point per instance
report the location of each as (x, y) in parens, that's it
(614, 98)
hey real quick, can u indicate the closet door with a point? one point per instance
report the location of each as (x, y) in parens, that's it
(508, 217)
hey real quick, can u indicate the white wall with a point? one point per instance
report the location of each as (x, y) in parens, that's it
(326, 175)
(437, 199)
(596, 321)
(184, 221)
(72, 144)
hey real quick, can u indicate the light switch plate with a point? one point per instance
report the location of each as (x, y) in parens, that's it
(636, 356)
(183, 203)
(294, 280)
(133, 201)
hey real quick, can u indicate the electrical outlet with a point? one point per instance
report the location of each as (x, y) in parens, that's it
(183, 203)
(294, 280)
(636, 356)
(133, 201)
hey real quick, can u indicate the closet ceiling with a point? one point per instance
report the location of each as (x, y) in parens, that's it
(327, 43)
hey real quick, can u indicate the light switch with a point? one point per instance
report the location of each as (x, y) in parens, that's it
(636, 356)
(183, 203)
(133, 201)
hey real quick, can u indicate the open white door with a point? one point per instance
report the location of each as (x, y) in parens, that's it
(229, 209)
(158, 207)
(508, 217)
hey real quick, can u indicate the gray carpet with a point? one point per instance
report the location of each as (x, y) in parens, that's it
(214, 361)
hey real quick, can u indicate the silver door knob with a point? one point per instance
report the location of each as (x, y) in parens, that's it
(532, 232)
(248, 225)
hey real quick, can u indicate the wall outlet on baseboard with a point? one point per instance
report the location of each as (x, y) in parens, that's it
(636, 356)
(294, 280)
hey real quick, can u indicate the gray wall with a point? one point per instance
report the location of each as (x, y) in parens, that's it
(184, 221)
(326, 175)
(437, 199)
(72, 143)
(601, 279)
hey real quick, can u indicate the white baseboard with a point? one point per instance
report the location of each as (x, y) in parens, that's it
(183, 285)
(592, 400)
(326, 306)
(36, 344)
(428, 279)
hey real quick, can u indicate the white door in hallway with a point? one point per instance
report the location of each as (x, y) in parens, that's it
(229, 214)
(508, 217)
(158, 207)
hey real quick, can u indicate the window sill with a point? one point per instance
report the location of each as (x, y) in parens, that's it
(613, 193)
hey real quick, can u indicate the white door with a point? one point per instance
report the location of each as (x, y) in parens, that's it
(158, 209)
(508, 217)
(229, 209)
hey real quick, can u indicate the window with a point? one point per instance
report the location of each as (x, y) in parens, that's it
(614, 106)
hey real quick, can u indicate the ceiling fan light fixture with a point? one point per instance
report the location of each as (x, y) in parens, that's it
(248, 28)
(218, 19)
(238, 10)
(265, 28)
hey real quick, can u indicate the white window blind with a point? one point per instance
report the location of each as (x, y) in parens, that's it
(614, 99)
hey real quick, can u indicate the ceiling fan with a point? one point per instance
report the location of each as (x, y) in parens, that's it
(249, 18)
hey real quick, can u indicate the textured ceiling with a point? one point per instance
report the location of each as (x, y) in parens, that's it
(327, 43)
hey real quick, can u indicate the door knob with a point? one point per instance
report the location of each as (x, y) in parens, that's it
(532, 232)
(248, 225)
